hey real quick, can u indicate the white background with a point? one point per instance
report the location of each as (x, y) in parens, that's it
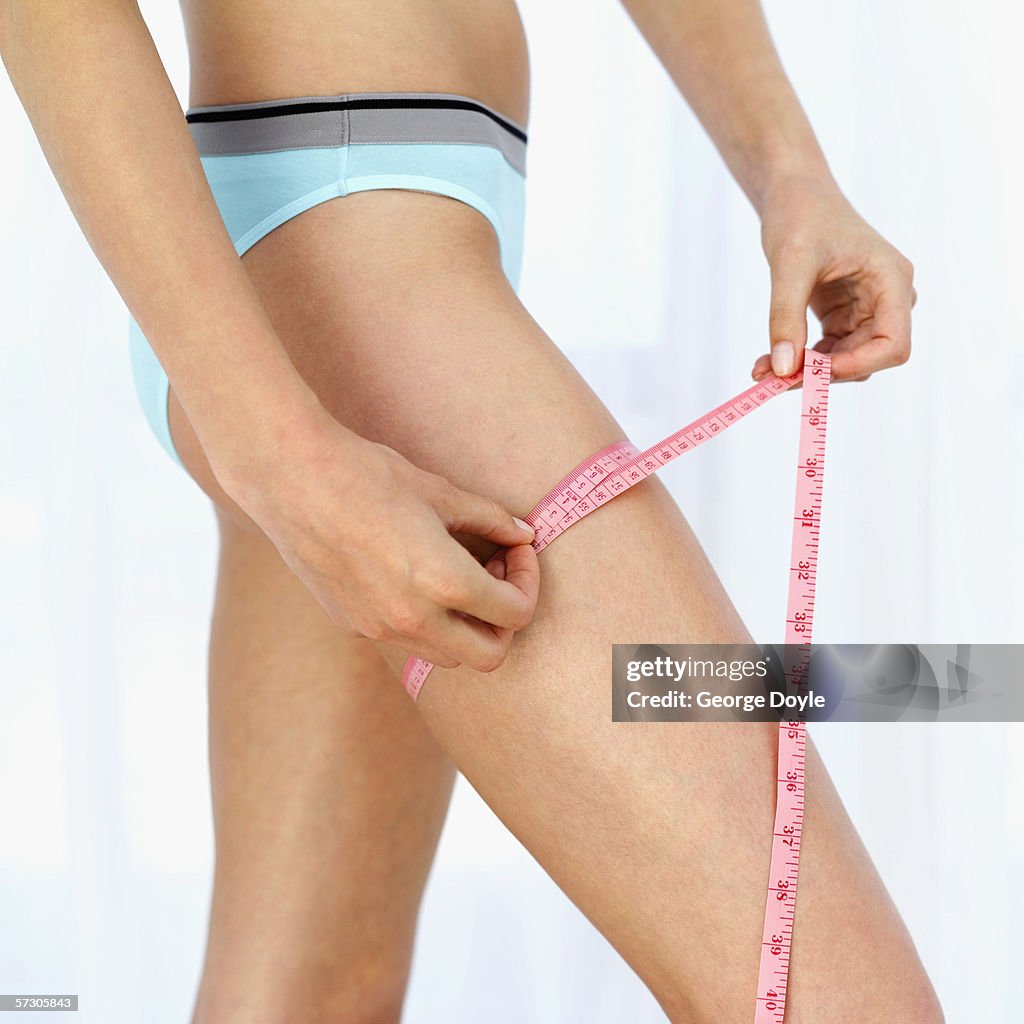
(641, 252)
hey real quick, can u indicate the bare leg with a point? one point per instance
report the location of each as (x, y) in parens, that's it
(328, 795)
(394, 307)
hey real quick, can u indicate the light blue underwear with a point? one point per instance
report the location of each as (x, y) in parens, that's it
(268, 162)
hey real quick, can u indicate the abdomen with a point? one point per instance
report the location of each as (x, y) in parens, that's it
(250, 50)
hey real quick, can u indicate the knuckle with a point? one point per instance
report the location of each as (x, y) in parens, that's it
(794, 248)
(448, 590)
(406, 620)
(524, 619)
(436, 583)
(489, 661)
(901, 355)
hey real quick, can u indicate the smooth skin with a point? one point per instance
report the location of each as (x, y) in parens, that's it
(329, 786)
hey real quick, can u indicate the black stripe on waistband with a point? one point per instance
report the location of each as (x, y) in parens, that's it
(245, 113)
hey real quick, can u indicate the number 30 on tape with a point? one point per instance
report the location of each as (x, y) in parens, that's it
(618, 467)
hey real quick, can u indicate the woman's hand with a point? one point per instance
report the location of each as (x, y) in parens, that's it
(370, 535)
(824, 255)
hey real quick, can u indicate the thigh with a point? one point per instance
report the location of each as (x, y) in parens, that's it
(394, 308)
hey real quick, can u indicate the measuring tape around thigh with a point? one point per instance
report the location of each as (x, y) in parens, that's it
(618, 467)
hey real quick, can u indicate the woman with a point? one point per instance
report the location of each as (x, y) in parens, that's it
(365, 401)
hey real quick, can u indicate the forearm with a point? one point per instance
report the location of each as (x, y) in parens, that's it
(112, 130)
(720, 55)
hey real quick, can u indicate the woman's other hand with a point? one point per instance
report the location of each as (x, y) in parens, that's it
(370, 535)
(825, 256)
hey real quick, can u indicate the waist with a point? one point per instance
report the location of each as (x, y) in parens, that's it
(263, 49)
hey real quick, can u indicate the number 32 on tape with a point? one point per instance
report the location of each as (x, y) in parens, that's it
(615, 469)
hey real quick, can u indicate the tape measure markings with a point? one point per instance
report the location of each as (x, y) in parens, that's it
(619, 466)
(787, 830)
(613, 470)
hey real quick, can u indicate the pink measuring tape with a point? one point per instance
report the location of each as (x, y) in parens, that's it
(618, 467)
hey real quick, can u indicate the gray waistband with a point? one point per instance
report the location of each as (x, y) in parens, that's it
(317, 122)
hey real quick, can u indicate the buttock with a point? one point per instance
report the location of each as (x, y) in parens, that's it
(269, 162)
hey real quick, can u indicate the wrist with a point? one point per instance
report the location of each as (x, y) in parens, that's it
(255, 447)
(789, 178)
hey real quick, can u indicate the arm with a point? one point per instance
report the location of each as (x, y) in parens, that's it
(113, 133)
(821, 253)
(108, 120)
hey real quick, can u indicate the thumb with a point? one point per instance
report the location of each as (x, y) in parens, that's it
(792, 285)
(464, 512)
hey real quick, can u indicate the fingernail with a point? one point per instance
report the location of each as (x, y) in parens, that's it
(524, 525)
(782, 359)
(496, 567)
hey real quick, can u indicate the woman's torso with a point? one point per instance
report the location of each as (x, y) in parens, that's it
(250, 50)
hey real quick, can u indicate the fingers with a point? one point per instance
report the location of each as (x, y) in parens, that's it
(482, 644)
(464, 512)
(881, 342)
(793, 280)
(869, 333)
(471, 612)
(472, 637)
(462, 612)
(496, 565)
(507, 601)
(762, 367)
(522, 570)
(448, 638)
